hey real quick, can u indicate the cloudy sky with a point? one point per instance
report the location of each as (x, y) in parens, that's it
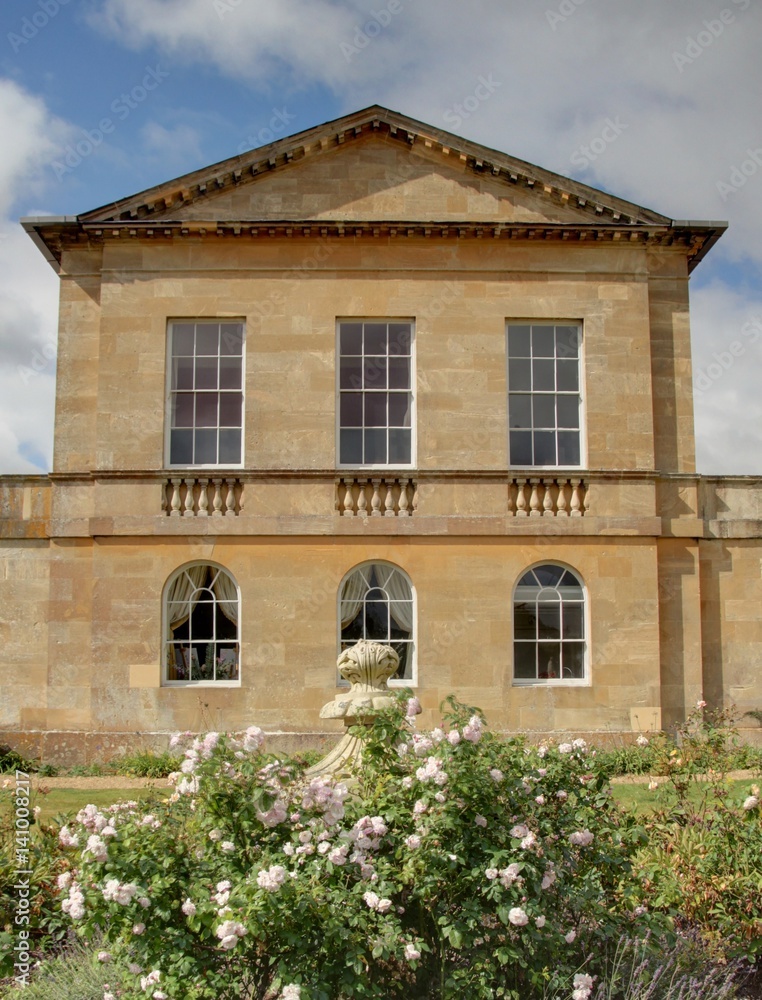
(680, 82)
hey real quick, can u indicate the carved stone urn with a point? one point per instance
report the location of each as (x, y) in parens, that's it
(367, 666)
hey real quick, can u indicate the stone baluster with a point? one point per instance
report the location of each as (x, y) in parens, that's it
(362, 500)
(511, 500)
(576, 499)
(375, 502)
(521, 500)
(585, 497)
(534, 499)
(217, 499)
(203, 498)
(346, 506)
(175, 501)
(189, 511)
(389, 499)
(404, 499)
(547, 500)
(230, 497)
(562, 507)
(415, 499)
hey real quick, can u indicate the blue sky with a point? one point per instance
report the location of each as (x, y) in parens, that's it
(150, 89)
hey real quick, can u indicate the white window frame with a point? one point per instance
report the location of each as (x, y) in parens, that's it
(586, 679)
(401, 682)
(413, 394)
(539, 321)
(166, 642)
(168, 392)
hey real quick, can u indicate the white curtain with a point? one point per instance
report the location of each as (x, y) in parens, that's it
(180, 597)
(352, 595)
(226, 593)
(400, 596)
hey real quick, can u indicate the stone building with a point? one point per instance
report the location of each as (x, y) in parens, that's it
(372, 380)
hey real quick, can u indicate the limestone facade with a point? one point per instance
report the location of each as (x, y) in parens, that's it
(372, 217)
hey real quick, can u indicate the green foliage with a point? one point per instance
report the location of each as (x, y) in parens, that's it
(73, 973)
(12, 761)
(459, 864)
(146, 764)
(702, 860)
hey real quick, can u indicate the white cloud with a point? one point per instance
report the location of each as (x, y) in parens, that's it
(28, 286)
(727, 360)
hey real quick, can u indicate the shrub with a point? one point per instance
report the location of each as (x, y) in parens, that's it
(146, 764)
(456, 864)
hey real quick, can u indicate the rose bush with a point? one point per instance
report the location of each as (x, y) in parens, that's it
(451, 863)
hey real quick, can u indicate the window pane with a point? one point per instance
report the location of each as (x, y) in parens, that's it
(230, 373)
(400, 338)
(375, 338)
(375, 409)
(521, 447)
(182, 409)
(573, 627)
(568, 339)
(207, 338)
(374, 372)
(519, 411)
(399, 373)
(519, 375)
(544, 448)
(182, 339)
(548, 575)
(399, 409)
(230, 409)
(182, 373)
(400, 447)
(405, 652)
(518, 342)
(568, 448)
(544, 411)
(375, 447)
(568, 411)
(230, 447)
(549, 621)
(231, 338)
(354, 629)
(181, 447)
(548, 659)
(524, 660)
(350, 338)
(376, 620)
(206, 409)
(543, 376)
(574, 660)
(524, 621)
(543, 342)
(206, 373)
(205, 448)
(351, 409)
(350, 373)
(350, 447)
(568, 376)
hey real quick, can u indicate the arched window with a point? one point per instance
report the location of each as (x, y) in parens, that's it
(376, 602)
(549, 626)
(201, 607)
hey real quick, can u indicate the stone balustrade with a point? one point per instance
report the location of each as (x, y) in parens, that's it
(547, 497)
(376, 496)
(200, 496)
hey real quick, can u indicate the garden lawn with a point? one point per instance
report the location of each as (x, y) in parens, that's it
(637, 796)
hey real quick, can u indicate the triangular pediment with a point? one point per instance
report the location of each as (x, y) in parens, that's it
(374, 165)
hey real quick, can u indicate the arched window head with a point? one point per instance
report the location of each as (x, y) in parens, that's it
(376, 602)
(202, 615)
(549, 627)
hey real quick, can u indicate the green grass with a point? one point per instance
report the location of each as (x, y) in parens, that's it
(640, 799)
(68, 801)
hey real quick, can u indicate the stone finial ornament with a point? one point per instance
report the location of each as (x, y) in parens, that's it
(367, 666)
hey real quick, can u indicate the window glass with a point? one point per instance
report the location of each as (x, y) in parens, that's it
(548, 626)
(205, 357)
(202, 622)
(376, 602)
(374, 357)
(543, 394)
